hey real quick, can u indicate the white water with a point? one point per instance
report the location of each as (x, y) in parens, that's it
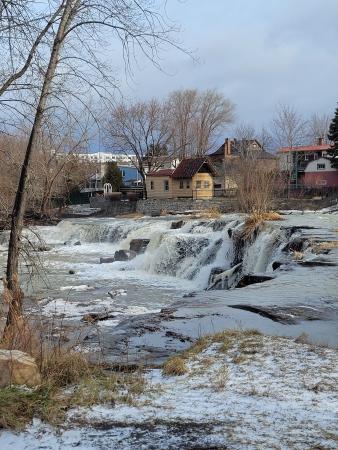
(174, 263)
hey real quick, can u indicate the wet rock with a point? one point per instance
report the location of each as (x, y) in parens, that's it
(124, 255)
(113, 294)
(18, 368)
(276, 265)
(43, 248)
(189, 295)
(214, 272)
(77, 243)
(230, 231)
(293, 229)
(248, 279)
(225, 279)
(295, 245)
(71, 272)
(288, 315)
(317, 262)
(138, 245)
(107, 259)
(97, 317)
(177, 225)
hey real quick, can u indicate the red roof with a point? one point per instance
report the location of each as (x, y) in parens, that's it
(305, 148)
(161, 173)
(187, 168)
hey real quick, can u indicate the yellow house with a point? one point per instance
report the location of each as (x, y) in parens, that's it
(193, 178)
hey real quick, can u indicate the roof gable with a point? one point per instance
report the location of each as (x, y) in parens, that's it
(187, 168)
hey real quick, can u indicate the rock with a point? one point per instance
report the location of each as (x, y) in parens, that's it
(276, 265)
(224, 279)
(317, 262)
(113, 294)
(177, 225)
(107, 259)
(230, 232)
(138, 245)
(248, 279)
(124, 255)
(18, 368)
(295, 245)
(77, 243)
(189, 295)
(43, 248)
(97, 317)
(71, 272)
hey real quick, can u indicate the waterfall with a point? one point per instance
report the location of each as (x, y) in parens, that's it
(192, 252)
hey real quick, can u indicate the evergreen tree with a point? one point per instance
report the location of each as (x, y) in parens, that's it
(113, 175)
(333, 137)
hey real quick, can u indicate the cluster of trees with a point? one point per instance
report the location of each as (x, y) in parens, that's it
(51, 64)
(186, 123)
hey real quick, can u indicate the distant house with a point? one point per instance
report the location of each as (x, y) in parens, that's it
(193, 178)
(230, 151)
(308, 166)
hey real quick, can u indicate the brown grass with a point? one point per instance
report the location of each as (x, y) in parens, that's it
(210, 213)
(254, 222)
(175, 365)
(323, 246)
(298, 256)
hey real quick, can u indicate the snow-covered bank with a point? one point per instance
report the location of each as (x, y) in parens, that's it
(242, 391)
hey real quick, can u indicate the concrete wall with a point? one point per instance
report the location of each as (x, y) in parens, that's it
(153, 206)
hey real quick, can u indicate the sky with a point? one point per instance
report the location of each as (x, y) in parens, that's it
(258, 53)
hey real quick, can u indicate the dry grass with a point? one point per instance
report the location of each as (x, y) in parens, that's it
(298, 256)
(175, 365)
(254, 222)
(210, 213)
(221, 378)
(324, 246)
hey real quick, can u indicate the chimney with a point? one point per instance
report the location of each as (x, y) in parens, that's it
(320, 140)
(227, 147)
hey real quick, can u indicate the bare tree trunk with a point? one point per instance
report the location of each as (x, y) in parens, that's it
(12, 281)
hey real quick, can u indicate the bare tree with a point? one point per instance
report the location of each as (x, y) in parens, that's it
(59, 72)
(197, 119)
(289, 127)
(214, 112)
(182, 113)
(141, 129)
(318, 128)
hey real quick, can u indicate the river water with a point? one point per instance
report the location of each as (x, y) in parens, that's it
(71, 282)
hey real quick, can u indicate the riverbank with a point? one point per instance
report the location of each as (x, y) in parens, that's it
(238, 390)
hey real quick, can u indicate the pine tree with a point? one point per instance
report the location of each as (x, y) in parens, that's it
(113, 175)
(333, 137)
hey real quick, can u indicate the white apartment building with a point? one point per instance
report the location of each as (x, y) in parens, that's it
(104, 157)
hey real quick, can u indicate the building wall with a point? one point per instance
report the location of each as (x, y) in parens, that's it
(203, 191)
(319, 173)
(182, 192)
(158, 187)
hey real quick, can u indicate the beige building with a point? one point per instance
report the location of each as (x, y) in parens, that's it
(193, 178)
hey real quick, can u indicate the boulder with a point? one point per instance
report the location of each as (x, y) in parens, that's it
(43, 248)
(252, 278)
(107, 259)
(77, 243)
(18, 368)
(177, 225)
(124, 255)
(295, 245)
(138, 245)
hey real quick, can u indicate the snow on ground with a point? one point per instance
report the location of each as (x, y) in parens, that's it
(256, 392)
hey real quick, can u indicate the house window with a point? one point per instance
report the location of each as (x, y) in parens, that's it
(188, 184)
(166, 185)
(198, 184)
(206, 185)
(320, 166)
(181, 184)
(123, 173)
(151, 185)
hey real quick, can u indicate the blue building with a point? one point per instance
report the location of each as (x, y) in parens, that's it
(130, 175)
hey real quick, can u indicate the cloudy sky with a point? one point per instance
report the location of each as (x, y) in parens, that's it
(257, 52)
